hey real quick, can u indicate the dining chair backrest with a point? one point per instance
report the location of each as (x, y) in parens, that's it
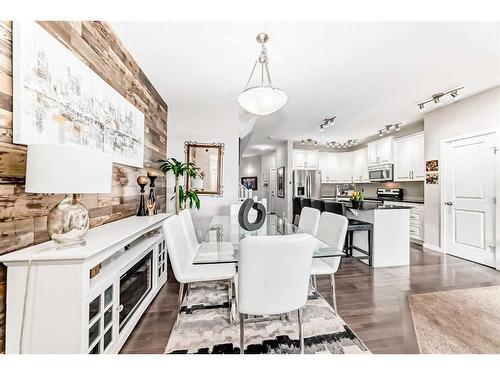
(305, 202)
(335, 208)
(189, 231)
(318, 204)
(273, 273)
(175, 239)
(332, 230)
(309, 220)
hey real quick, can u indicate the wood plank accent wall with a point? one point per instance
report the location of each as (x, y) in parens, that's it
(23, 217)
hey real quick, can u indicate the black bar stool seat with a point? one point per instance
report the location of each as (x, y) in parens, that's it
(318, 204)
(353, 225)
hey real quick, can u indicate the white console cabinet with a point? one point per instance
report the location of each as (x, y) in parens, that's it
(55, 306)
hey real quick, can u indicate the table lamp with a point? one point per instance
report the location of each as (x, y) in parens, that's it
(70, 170)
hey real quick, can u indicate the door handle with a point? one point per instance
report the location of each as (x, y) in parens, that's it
(448, 203)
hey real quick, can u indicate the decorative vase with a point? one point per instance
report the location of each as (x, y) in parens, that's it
(152, 175)
(356, 204)
(142, 181)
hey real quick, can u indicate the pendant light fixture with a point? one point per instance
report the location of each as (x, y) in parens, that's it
(262, 99)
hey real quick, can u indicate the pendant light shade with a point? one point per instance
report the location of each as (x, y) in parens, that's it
(262, 99)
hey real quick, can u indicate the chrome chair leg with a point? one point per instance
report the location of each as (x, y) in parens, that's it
(230, 295)
(301, 331)
(334, 297)
(179, 303)
(242, 333)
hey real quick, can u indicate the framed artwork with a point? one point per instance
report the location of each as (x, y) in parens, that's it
(432, 178)
(431, 166)
(280, 182)
(207, 157)
(58, 99)
(249, 182)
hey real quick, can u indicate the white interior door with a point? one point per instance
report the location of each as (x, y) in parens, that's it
(469, 198)
(271, 204)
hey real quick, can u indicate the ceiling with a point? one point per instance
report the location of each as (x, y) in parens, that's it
(368, 74)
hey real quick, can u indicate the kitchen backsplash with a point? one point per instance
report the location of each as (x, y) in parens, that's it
(413, 189)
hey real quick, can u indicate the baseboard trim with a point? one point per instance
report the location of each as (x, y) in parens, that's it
(433, 248)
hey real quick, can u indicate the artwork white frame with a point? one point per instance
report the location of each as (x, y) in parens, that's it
(58, 99)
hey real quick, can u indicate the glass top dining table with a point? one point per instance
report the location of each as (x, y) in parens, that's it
(222, 239)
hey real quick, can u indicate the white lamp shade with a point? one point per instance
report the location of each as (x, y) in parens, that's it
(67, 169)
(262, 100)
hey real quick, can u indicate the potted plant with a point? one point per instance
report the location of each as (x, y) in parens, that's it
(182, 194)
(356, 199)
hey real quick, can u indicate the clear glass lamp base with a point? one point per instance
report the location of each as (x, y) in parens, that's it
(68, 222)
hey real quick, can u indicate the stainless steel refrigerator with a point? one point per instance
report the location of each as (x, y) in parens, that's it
(307, 184)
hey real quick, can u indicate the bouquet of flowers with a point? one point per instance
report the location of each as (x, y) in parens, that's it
(356, 199)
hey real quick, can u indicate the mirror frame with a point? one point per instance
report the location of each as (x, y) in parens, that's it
(188, 146)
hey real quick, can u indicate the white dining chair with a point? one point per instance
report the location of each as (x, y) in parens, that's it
(309, 220)
(188, 226)
(181, 257)
(332, 230)
(265, 286)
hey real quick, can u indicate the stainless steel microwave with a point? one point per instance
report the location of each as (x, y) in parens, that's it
(380, 172)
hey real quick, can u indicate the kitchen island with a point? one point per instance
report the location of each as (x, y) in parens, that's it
(390, 233)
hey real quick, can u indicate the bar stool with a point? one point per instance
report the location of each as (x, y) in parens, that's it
(318, 204)
(296, 209)
(305, 202)
(353, 225)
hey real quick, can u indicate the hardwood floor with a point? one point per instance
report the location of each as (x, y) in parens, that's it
(372, 301)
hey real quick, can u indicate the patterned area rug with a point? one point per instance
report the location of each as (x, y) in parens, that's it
(457, 321)
(204, 328)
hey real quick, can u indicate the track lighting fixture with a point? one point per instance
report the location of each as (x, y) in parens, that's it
(308, 141)
(389, 128)
(347, 144)
(436, 98)
(327, 123)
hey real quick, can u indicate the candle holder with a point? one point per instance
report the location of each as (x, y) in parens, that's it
(152, 175)
(142, 181)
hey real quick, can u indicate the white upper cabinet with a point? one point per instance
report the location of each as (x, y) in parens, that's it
(419, 158)
(304, 159)
(380, 152)
(409, 163)
(312, 160)
(360, 165)
(338, 167)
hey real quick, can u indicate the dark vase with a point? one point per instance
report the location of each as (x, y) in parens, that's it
(356, 204)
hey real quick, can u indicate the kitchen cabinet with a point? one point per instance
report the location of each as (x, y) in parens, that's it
(416, 221)
(380, 152)
(304, 159)
(336, 167)
(409, 163)
(360, 165)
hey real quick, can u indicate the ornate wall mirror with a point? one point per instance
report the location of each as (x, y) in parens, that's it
(208, 157)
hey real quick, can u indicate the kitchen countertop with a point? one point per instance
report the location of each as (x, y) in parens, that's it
(367, 205)
(404, 200)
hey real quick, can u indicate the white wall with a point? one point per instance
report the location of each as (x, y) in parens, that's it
(206, 125)
(481, 111)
